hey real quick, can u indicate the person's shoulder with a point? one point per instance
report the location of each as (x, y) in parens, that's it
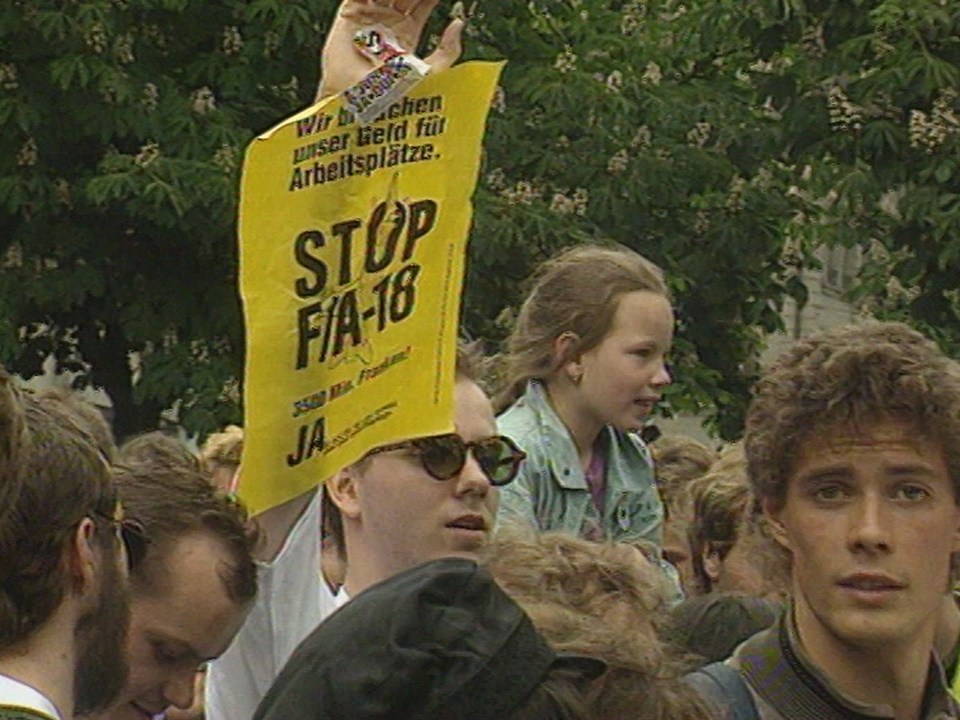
(722, 685)
(765, 643)
(520, 421)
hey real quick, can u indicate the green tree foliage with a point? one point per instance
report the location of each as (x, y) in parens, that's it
(615, 122)
(868, 93)
(725, 139)
(728, 140)
(122, 126)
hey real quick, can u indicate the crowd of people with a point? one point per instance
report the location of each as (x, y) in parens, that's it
(539, 562)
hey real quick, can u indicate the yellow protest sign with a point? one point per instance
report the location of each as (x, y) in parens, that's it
(352, 245)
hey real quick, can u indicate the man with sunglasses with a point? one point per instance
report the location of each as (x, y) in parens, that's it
(402, 505)
(63, 575)
(411, 502)
(293, 596)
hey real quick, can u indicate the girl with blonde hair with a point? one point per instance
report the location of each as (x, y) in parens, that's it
(585, 366)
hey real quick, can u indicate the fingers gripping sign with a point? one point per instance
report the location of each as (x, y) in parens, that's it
(353, 240)
(343, 66)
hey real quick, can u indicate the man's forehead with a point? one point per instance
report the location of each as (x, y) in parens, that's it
(473, 411)
(896, 441)
(883, 427)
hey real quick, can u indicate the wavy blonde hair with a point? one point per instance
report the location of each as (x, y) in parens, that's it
(644, 677)
(224, 448)
(600, 580)
(597, 599)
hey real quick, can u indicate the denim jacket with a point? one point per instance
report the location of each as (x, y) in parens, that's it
(551, 491)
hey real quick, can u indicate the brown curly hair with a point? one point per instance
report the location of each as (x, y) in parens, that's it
(725, 513)
(721, 500)
(678, 460)
(851, 376)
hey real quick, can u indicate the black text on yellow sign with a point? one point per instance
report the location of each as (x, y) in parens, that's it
(340, 320)
(352, 252)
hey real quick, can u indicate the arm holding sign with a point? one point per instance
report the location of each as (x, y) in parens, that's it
(293, 597)
(343, 65)
(275, 525)
(291, 601)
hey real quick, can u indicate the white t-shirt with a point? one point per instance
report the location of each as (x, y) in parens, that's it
(292, 600)
(14, 693)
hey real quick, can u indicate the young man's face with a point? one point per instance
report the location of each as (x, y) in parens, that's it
(411, 517)
(871, 521)
(180, 619)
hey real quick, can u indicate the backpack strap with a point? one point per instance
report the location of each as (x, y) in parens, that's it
(724, 687)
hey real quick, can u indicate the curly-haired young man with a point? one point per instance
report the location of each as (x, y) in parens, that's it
(853, 449)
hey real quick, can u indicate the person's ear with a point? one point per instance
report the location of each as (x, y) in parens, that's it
(344, 492)
(566, 350)
(712, 562)
(772, 515)
(82, 557)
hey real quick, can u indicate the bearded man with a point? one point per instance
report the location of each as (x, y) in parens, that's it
(63, 566)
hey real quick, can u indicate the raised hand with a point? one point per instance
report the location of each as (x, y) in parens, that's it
(342, 66)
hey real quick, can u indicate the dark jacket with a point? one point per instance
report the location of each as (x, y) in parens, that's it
(787, 686)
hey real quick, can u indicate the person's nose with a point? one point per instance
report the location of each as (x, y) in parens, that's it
(472, 479)
(179, 688)
(662, 376)
(869, 524)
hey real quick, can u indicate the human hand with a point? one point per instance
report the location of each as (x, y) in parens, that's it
(343, 66)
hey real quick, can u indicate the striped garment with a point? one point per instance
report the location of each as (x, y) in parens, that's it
(787, 686)
(8, 712)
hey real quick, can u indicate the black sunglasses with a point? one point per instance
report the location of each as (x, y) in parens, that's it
(133, 535)
(444, 456)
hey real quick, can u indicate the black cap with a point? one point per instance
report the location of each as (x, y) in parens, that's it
(440, 640)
